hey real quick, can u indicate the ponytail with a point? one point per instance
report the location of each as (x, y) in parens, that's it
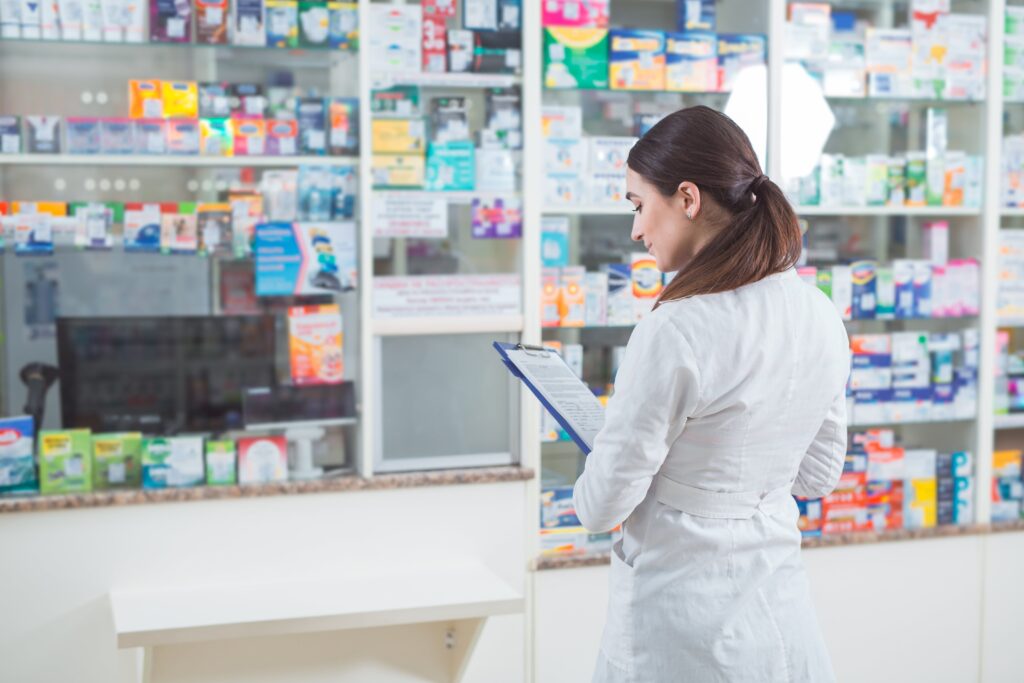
(762, 235)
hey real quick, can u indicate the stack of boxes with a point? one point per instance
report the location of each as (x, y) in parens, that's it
(560, 530)
(887, 487)
(940, 56)
(580, 52)
(581, 170)
(913, 377)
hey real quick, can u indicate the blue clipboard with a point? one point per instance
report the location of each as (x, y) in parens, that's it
(502, 348)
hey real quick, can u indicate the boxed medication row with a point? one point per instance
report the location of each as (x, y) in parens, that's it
(619, 294)
(1007, 488)
(560, 530)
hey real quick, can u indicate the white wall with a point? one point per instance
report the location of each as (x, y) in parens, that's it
(58, 567)
(911, 611)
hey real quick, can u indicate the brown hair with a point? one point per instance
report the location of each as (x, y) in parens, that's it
(707, 148)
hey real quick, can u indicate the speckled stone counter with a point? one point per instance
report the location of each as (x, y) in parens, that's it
(571, 562)
(349, 482)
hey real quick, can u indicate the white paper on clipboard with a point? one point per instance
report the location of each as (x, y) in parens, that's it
(562, 391)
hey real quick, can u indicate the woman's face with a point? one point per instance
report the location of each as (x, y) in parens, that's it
(660, 222)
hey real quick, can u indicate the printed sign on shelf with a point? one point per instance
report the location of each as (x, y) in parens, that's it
(446, 295)
(305, 258)
(410, 217)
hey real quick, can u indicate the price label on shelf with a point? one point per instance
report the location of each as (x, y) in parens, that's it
(400, 216)
(446, 296)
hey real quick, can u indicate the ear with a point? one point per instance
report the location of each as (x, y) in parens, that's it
(688, 195)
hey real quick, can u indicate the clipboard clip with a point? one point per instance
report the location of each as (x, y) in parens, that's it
(533, 350)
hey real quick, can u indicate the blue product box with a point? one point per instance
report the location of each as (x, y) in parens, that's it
(922, 289)
(871, 406)
(451, 166)
(903, 284)
(10, 135)
(810, 516)
(691, 62)
(83, 135)
(865, 296)
(316, 193)
(554, 242)
(912, 405)
(117, 136)
(737, 52)
(557, 509)
(150, 136)
(311, 113)
(346, 185)
(695, 15)
(343, 25)
(17, 456)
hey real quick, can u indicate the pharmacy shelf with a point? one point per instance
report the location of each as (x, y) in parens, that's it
(873, 425)
(587, 327)
(1008, 212)
(923, 101)
(1011, 322)
(444, 80)
(405, 327)
(1012, 421)
(172, 160)
(184, 47)
(453, 197)
(937, 211)
(555, 210)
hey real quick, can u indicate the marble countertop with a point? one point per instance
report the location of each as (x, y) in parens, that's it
(350, 482)
(574, 562)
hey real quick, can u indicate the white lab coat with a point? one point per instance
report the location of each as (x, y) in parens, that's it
(724, 405)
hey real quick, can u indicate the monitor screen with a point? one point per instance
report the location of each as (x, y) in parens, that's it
(163, 375)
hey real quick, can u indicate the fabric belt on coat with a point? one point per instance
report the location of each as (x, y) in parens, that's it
(719, 504)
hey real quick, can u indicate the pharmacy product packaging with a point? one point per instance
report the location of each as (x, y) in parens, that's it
(311, 113)
(842, 291)
(83, 135)
(496, 218)
(935, 242)
(563, 189)
(576, 58)
(305, 258)
(885, 290)
(608, 154)
(554, 241)
(434, 50)
(315, 344)
(343, 116)
(696, 15)
(460, 51)
(395, 36)
(573, 355)
(282, 23)
(809, 521)
(1006, 463)
(871, 361)
(183, 136)
(496, 170)
(344, 25)
(394, 171)
(43, 134)
(117, 136)
(736, 53)
(17, 455)
(116, 461)
(591, 13)
(596, 286)
(65, 461)
(605, 188)
(315, 193)
(450, 166)
(262, 460)
(282, 138)
(10, 19)
(179, 233)
(549, 297)
(636, 59)
(572, 297)
(10, 135)
(557, 509)
(170, 21)
(216, 138)
(213, 221)
(691, 62)
(922, 289)
(248, 137)
(142, 225)
(221, 463)
(621, 306)
(249, 23)
(565, 156)
(647, 283)
(145, 99)
(180, 99)
(497, 52)
(172, 462)
(314, 23)
(916, 179)
(150, 136)
(864, 294)
(398, 136)
(212, 20)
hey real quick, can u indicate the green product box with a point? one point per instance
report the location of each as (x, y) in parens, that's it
(451, 166)
(825, 281)
(314, 23)
(917, 179)
(935, 179)
(172, 462)
(897, 181)
(576, 58)
(885, 294)
(877, 182)
(65, 461)
(221, 463)
(116, 461)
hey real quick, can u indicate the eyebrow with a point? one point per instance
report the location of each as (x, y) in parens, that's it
(631, 196)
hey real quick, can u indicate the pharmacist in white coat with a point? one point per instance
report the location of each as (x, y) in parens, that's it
(730, 400)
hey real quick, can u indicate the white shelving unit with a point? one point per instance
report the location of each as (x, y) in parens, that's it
(924, 211)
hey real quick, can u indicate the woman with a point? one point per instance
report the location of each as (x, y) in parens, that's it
(730, 398)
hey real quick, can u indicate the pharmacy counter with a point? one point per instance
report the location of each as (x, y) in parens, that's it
(348, 482)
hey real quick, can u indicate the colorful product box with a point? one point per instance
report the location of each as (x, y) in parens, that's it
(647, 283)
(249, 137)
(344, 26)
(451, 166)
(83, 135)
(885, 501)
(435, 45)
(736, 53)
(17, 455)
(810, 519)
(212, 18)
(183, 136)
(311, 113)
(314, 23)
(43, 134)
(922, 289)
(344, 126)
(579, 13)
(691, 62)
(248, 21)
(557, 509)
(116, 461)
(315, 343)
(262, 460)
(554, 241)
(398, 170)
(871, 361)
(65, 461)
(213, 223)
(180, 99)
(179, 232)
(221, 463)
(636, 59)
(145, 99)
(216, 137)
(460, 50)
(117, 136)
(150, 136)
(282, 23)
(172, 462)
(170, 21)
(865, 299)
(549, 298)
(282, 138)
(142, 225)
(1007, 493)
(596, 308)
(576, 58)
(496, 218)
(621, 303)
(572, 297)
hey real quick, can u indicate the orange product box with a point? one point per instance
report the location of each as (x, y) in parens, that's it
(55, 209)
(315, 342)
(145, 99)
(250, 136)
(549, 295)
(572, 297)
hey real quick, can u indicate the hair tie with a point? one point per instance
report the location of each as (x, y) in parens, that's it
(757, 183)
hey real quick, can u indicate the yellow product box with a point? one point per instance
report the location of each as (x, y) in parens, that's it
(636, 59)
(1006, 463)
(398, 170)
(920, 503)
(55, 209)
(572, 304)
(181, 99)
(398, 136)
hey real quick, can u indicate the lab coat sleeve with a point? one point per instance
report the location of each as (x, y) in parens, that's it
(823, 463)
(657, 388)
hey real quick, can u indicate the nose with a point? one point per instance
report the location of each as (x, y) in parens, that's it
(636, 234)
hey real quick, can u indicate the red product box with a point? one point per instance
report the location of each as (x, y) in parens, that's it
(262, 459)
(250, 137)
(282, 137)
(885, 504)
(440, 9)
(841, 518)
(435, 46)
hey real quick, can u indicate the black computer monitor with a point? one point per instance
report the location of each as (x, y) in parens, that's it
(164, 375)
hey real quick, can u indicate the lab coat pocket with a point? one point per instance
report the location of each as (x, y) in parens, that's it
(617, 641)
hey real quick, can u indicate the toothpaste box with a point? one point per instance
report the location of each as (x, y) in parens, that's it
(636, 59)
(17, 455)
(65, 461)
(691, 62)
(576, 58)
(116, 461)
(172, 462)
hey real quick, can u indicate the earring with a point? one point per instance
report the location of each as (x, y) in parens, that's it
(689, 214)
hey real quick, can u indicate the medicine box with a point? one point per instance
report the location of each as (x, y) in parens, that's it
(116, 461)
(220, 463)
(691, 62)
(17, 450)
(65, 461)
(576, 58)
(636, 59)
(262, 459)
(172, 462)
